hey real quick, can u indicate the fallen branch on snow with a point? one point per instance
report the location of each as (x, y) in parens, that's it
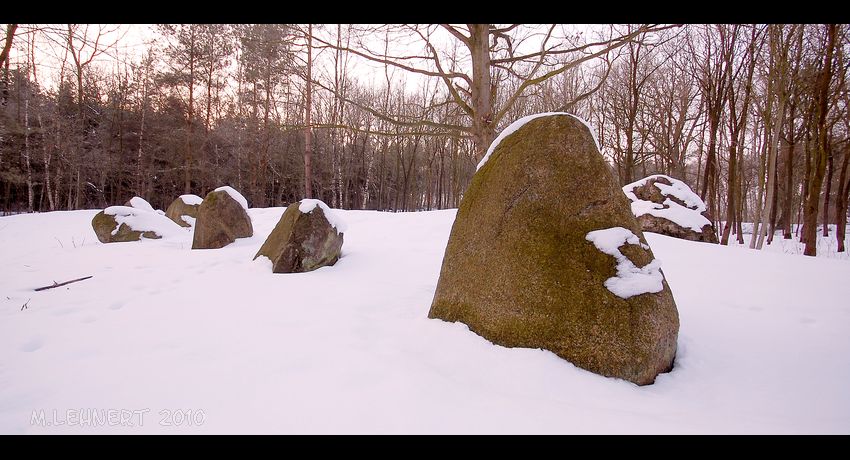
(55, 284)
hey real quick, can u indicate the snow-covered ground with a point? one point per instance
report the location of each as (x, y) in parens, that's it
(827, 245)
(213, 342)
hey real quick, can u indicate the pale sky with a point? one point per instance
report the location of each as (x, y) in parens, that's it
(135, 39)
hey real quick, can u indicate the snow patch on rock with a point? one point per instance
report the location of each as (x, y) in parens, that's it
(308, 204)
(141, 203)
(191, 199)
(233, 194)
(630, 280)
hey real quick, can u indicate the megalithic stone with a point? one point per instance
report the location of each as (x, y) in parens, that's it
(668, 206)
(184, 210)
(307, 236)
(545, 253)
(222, 218)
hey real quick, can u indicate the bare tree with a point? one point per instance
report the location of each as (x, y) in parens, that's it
(488, 50)
(711, 57)
(778, 91)
(84, 45)
(737, 121)
(818, 154)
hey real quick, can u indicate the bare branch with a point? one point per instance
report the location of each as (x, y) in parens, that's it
(390, 119)
(553, 51)
(382, 60)
(463, 38)
(611, 45)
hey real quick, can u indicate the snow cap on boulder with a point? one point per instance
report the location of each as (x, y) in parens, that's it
(668, 206)
(541, 231)
(308, 236)
(222, 218)
(139, 203)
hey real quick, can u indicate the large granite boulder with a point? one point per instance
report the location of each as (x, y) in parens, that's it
(124, 223)
(668, 206)
(222, 218)
(545, 253)
(184, 210)
(308, 236)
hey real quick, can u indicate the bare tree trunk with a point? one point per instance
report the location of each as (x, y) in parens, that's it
(768, 202)
(841, 203)
(819, 153)
(789, 182)
(187, 186)
(482, 103)
(709, 181)
(47, 157)
(761, 186)
(773, 206)
(7, 45)
(308, 108)
(731, 189)
(140, 156)
(27, 152)
(827, 192)
(739, 216)
(4, 60)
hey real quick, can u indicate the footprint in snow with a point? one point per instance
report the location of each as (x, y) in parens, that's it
(64, 311)
(31, 345)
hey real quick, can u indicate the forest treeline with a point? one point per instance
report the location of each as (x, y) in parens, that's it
(753, 117)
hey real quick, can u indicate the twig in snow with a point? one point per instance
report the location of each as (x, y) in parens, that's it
(25, 304)
(55, 284)
(60, 242)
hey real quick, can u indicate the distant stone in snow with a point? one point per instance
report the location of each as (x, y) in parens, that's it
(234, 194)
(308, 236)
(519, 269)
(182, 207)
(124, 223)
(668, 206)
(221, 220)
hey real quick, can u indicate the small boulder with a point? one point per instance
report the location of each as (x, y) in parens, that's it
(222, 218)
(545, 253)
(124, 223)
(668, 206)
(184, 210)
(308, 236)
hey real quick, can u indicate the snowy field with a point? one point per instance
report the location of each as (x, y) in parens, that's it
(210, 341)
